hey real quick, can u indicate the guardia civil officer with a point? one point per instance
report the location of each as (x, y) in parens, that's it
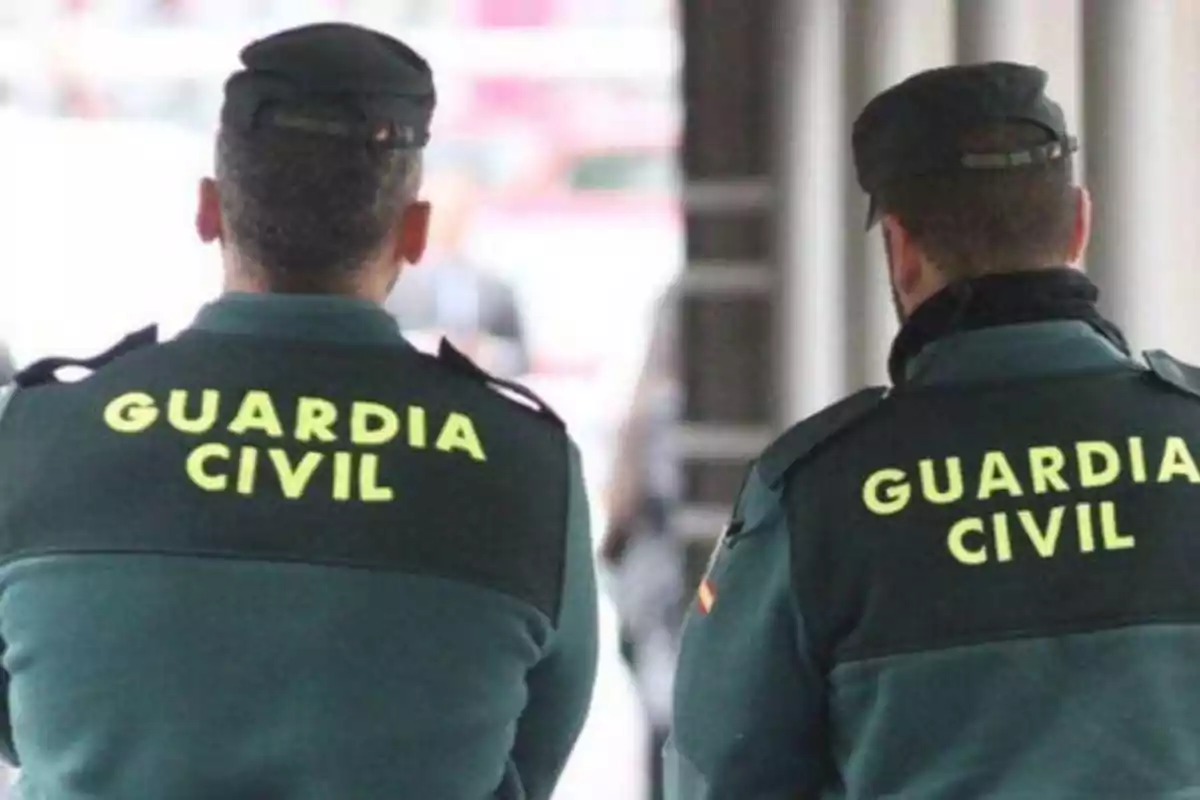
(979, 583)
(286, 555)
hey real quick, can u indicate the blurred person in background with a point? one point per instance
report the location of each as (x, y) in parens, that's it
(451, 295)
(645, 558)
(286, 555)
(978, 582)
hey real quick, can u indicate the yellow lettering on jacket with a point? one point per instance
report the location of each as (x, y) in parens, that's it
(253, 442)
(1008, 496)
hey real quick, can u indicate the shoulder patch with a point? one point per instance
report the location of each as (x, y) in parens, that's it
(1176, 374)
(451, 357)
(46, 371)
(803, 439)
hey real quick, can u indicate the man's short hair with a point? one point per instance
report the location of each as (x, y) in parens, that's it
(973, 222)
(309, 210)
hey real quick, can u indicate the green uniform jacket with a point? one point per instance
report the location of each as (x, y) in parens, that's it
(288, 557)
(874, 631)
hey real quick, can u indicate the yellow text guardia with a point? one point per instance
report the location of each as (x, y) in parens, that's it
(347, 474)
(1002, 536)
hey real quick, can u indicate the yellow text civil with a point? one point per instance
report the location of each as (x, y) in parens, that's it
(350, 472)
(1078, 469)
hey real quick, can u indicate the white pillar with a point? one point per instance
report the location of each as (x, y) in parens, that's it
(811, 147)
(1185, 176)
(887, 41)
(997, 30)
(1128, 148)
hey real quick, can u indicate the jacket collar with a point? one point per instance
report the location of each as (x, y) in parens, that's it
(1028, 350)
(307, 317)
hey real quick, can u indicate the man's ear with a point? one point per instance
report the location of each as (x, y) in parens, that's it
(904, 260)
(412, 233)
(1081, 231)
(208, 213)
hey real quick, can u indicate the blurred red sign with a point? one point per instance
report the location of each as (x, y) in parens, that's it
(514, 13)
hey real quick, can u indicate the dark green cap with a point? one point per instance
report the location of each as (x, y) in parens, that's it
(917, 127)
(335, 80)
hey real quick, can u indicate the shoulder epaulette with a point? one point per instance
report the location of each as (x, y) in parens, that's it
(457, 361)
(804, 438)
(1173, 372)
(46, 371)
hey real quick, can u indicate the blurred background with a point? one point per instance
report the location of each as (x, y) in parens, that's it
(645, 210)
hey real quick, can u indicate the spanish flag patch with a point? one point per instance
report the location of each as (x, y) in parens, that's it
(706, 596)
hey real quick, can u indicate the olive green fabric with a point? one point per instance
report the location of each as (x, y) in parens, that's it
(877, 627)
(288, 556)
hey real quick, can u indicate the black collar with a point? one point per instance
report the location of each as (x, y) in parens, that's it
(1013, 298)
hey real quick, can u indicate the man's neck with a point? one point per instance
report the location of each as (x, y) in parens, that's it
(244, 281)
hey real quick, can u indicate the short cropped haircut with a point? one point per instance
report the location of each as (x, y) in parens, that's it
(974, 222)
(308, 210)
